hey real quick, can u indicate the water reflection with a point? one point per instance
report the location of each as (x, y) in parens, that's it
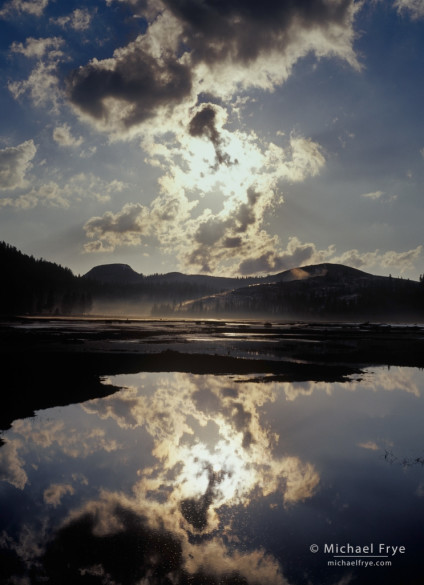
(185, 479)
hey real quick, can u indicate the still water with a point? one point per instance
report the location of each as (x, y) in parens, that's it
(201, 479)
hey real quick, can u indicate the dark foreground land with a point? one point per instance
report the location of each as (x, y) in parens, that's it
(52, 362)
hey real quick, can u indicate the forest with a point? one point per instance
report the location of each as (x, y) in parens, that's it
(38, 287)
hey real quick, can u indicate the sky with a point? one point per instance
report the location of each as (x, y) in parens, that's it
(228, 137)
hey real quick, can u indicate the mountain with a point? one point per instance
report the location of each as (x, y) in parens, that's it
(114, 273)
(117, 288)
(335, 271)
(318, 292)
(123, 274)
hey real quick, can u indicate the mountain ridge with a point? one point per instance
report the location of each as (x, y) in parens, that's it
(323, 291)
(318, 291)
(124, 274)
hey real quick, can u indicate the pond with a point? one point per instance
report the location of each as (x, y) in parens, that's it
(179, 478)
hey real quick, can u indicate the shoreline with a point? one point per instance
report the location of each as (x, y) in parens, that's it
(66, 361)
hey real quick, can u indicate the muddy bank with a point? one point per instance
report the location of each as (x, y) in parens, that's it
(52, 362)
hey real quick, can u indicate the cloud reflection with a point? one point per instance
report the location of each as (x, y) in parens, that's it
(212, 453)
(390, 380)
(154, 484)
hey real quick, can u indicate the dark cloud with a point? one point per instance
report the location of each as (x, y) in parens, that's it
(271, 261)
(137, 78)
(220, 236)
(242, 29)
(232, 33)
(203, 124)
(133, 554)
(245, 214)
(210, 232)
(195, 510)
(235, 242)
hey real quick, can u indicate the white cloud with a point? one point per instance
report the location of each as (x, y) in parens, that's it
(273, 259)
(373, 195)
(12, 465)
(74, 190)
(54, 493)
(230, 48)
(208, 159)
(79, 20)
(31, 7)
(391, 259)
(42, 85)
(14, 164)
(379, 196)
(62, 135)
(38, 48)
(125, 228)
(135, 223)
(415, 8)
(55, 433)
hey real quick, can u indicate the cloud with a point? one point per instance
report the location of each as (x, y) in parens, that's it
(208, 159)
(136, 223)
(79, 20)
(38, 48)
(211, 452)
(370, 445)
(153, 553)
(155, 86)
(374, 195)
(207, 452)
(125, 228)
(30, 7)
(241, 460)
(62, 135)
(220, 49)
(393, 380)
(138, 82)
(415, 8)
(54, 493)
(297, 253)
(402, 261)
(379, 195)
(203, 124)
(12, 465)
(54, 433)
(42, 85)
(242, 32)
(73, 190)
(14, 163)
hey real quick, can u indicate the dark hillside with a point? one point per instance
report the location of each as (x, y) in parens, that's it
(322, 292)
(37, 286)
(114, 273)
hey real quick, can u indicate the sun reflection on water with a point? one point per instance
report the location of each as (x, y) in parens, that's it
(174, 467)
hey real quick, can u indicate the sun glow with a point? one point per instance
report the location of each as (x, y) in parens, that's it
(231, 169)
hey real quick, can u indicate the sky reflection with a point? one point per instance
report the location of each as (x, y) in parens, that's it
(179, 478)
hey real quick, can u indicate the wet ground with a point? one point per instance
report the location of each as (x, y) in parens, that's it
(39, 352)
